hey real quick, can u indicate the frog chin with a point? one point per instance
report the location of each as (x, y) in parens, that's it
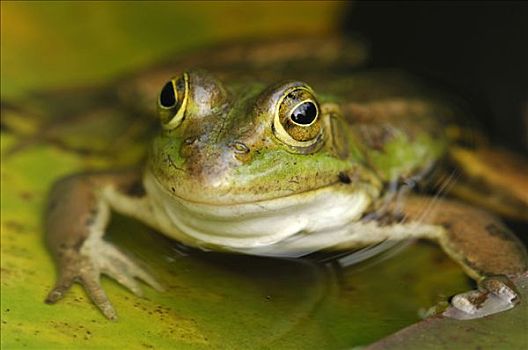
(241, 226)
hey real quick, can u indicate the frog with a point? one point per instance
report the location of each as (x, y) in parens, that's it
(284, 149)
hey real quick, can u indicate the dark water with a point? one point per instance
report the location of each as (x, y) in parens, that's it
(476, 50)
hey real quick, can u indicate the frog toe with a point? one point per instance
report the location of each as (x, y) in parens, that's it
(91, 283)
(125, 270)
(83, 270)
(128, 281)
(469, 302)
(85, 266)
(59, 290)
(502, 287)
(121, 270)
(495, 294)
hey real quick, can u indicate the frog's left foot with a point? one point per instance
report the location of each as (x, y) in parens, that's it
(123, 269)
(100, 257)
(495, 294)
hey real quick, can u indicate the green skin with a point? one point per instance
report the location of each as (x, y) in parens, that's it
(213, 165)
(221, 156)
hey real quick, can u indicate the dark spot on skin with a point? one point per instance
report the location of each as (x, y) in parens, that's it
(384, 218)
(473, 266)
(377, 138)
(344, 178)
(399, 217)
(136, 189)
(89, 221)
(497, 231)
(389, 218)
(446, 225)
(77, 246)
(190, 140)
(173, 189)
(478, 299)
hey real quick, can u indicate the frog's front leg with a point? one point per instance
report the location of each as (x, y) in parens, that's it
(78, 213)
(481, 244)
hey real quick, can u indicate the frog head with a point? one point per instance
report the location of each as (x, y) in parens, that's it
(249, 142)
(246, 144)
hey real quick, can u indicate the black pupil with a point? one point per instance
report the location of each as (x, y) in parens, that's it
(305, 113)
(167, 97)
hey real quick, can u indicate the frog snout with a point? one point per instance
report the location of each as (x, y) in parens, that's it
(208, 164)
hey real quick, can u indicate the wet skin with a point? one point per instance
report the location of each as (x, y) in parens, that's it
(265, 166)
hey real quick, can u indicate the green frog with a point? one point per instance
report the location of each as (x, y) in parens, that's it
(284, 149)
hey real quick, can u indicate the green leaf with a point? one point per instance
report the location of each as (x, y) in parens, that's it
(506, 330)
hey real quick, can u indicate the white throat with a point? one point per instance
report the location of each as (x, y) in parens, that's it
(239, 227)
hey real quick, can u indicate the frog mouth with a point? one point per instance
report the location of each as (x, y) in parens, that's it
(252, 225)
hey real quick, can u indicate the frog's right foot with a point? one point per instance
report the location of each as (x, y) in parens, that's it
(495, 294)
(86, 265)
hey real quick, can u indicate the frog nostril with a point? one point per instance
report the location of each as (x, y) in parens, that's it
(344, 178)
(240, 147)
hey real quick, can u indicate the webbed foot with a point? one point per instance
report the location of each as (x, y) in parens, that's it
(86, 265)
(495, 294)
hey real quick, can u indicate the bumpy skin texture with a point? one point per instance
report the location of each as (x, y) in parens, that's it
(476, 239)
(223, 157)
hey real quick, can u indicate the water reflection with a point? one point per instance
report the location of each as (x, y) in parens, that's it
(333, 300)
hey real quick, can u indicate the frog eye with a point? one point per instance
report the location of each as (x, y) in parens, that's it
(172, 101)
(297, 122)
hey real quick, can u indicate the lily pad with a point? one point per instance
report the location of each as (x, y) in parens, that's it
(212, 300)
(507, 330)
